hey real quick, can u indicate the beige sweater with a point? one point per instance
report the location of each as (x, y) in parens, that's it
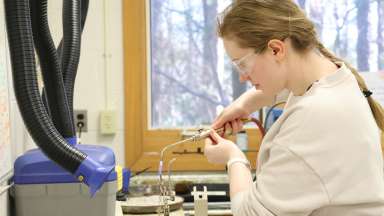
(321, 157)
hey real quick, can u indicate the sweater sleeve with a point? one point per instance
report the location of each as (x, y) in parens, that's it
(285, 186)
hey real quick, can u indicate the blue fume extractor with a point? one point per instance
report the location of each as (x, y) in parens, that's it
(61, 176)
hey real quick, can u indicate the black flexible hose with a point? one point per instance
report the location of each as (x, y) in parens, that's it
(71, 44)
(84, 4)
(36, 119)
(68, 75)
(50, 66)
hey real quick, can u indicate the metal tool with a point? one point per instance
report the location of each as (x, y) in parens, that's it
(166, 193)
(202, 134)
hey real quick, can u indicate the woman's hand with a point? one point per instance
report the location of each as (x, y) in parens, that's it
(219, 150)
(231, 117)
(242, 107)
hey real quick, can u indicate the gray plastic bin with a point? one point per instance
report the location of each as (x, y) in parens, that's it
(68, 199)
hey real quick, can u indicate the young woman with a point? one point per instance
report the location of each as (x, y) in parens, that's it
(323, 155)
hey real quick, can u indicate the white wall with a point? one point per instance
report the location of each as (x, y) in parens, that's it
(99, 84)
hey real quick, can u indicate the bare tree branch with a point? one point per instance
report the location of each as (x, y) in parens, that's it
(189, 90)
(339, 27)
(210, 45)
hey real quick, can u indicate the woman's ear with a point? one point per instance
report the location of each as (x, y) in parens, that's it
(277, 48)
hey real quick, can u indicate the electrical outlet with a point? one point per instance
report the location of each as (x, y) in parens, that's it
(81, 120)
(108, 122)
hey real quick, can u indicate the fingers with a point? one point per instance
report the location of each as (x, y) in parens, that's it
(220, 120)
(207, 147)
(218, 123)
(209, 141)
(235, 126)
(240, 125)
(210, 144)
(216, 138)
(232, 127)
(220, 152)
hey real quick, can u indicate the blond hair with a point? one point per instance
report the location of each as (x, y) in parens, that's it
(253, 23)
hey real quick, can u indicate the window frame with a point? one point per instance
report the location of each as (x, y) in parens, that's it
(142, 145)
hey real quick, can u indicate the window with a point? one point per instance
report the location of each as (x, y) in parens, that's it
(352, 29)
(176, 76)
(191, 77)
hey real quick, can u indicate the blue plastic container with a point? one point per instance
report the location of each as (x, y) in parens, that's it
(35, 168)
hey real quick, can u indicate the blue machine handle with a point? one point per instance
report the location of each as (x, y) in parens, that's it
(93, 174)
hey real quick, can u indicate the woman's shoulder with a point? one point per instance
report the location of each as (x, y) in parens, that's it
(329, 109)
